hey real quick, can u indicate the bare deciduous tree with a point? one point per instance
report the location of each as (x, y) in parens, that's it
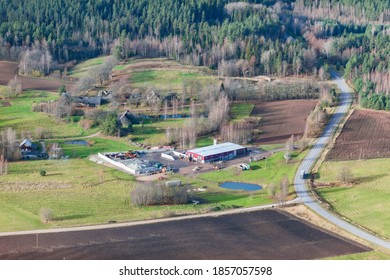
(345, 175)
(46, 214)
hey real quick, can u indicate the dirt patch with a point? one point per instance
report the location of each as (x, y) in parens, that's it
(25, 186)
(365, 135)
(281, 119)
(8, 71)
(5, 104)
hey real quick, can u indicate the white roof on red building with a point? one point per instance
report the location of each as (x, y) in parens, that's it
(216, 149)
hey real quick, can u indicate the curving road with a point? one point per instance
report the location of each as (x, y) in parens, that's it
(309, 161)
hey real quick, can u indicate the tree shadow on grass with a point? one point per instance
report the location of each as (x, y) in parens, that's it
(369, 179)
(72, 217)
(53, 174)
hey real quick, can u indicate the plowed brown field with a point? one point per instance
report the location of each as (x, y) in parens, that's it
(365, 136)
(281, 119)
(9, 69)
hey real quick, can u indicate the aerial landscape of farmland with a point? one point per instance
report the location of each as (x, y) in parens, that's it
(195, 130)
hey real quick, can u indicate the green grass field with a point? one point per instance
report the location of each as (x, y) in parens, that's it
(81, 192)
(21, 117)
(367, 202)
(167, 80)
(97, 145)
(153, 132)
(271, 170)
(82, 68)
(240, 111)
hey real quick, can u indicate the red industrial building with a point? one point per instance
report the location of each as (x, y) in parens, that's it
(223, 151)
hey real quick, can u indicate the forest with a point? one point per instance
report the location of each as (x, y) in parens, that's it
(246, 38)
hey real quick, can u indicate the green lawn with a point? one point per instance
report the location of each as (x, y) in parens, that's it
(240, 111)
(204, 141)
(21, 117)
(81, 192)
(97, 145)
(153, 132)
(367, 202)
(82, 68)
(167, 80)
(271, 170)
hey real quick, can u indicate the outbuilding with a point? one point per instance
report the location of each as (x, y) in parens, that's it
(218, 152)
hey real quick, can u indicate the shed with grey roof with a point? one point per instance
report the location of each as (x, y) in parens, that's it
(223, 151)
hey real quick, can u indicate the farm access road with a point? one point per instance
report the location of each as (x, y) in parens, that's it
(308, 162)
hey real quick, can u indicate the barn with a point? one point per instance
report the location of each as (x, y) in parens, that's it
(223, 151)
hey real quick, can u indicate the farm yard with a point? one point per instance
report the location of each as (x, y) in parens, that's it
(365, 135)
(281, 119)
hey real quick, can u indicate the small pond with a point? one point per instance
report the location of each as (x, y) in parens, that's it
(240, 186)
(77, 142)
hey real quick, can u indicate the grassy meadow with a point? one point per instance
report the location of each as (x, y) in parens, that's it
(240, 111)
(20, 116)
(367, 201)
(167, 80)
(81, 69)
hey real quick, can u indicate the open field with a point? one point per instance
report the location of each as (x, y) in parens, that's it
(167, 80)
(81, 192)
(20, 116)
(9, 69)
(240, 111)
(153, 132)
(366, 202)
(364, 136)
(97, 145)
(162, 74)
(281, 119)
(81, 69)
(256, 235)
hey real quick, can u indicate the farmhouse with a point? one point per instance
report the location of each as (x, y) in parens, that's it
(223, 151)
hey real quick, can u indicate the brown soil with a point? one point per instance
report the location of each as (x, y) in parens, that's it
(9, 69)
(364, 136)
(281, 119)
(247, 236)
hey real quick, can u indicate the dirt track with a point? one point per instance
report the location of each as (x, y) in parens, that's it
(256, 235)
(9, 69)
(281, 119)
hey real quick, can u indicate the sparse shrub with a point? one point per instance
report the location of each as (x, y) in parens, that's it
(345, 175)
(158, 194)
(46, 214)
(42, 172)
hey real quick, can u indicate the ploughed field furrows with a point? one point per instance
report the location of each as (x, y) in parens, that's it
(9, 69)
(281, 119)
(256, 235)
(364, 136)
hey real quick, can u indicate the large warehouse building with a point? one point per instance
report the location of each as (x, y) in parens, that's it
(224, 151)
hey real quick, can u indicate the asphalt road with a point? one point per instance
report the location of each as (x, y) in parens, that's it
(309, 161)
(265, 234)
